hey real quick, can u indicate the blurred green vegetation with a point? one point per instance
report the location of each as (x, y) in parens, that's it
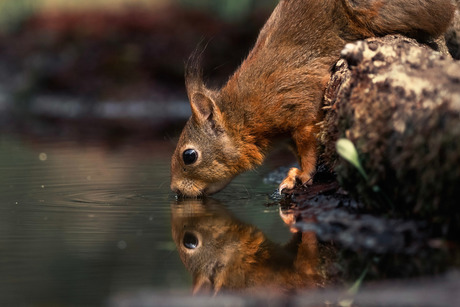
(121, 49)
(14, 12)
(229, 9)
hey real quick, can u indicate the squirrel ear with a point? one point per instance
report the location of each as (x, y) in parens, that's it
(203, 108)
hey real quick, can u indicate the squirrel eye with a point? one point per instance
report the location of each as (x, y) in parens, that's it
(189, 156)
(190, 241)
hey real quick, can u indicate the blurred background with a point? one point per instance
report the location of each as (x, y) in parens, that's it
(117, 64)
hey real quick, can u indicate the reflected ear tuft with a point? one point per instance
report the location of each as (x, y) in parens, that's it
(202, 285)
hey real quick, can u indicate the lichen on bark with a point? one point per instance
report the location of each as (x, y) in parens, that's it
(399, 103)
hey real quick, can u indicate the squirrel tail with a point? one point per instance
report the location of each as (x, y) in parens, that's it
(420, 19)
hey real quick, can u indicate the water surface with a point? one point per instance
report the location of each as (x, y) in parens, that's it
(81, 221)
(85, 222)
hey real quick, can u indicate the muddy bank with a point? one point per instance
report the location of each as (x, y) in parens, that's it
(439, 292)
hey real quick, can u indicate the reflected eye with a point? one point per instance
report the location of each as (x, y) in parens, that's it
(190, 241)
(190, 156)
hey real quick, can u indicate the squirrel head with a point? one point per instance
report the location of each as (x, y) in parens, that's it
(207, 156)
(215, 145)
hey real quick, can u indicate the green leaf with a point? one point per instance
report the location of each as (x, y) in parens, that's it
(347, 150)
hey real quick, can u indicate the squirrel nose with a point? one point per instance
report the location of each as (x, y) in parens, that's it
(174, 188)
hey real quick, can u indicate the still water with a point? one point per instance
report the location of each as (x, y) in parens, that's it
(82, 221)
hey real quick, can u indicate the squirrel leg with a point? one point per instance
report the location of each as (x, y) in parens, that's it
(306, 148)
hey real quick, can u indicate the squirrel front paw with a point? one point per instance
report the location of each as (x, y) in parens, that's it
(293, 176)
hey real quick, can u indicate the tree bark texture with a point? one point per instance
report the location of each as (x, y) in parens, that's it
(452, 36)
(399, 103)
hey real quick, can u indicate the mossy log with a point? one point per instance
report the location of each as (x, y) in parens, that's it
(399, 103)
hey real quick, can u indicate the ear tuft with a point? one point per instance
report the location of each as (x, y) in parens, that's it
(204, 108)
(194, 73)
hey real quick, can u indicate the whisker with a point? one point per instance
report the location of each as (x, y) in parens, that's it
(247, 191)
(170, 139)
(162, 184)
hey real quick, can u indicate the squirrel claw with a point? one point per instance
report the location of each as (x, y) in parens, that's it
(286, 184)
(293, 176)
(282, 188)
(289, 182)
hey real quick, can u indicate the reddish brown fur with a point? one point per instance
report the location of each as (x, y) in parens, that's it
(278, 89)
(233, 256)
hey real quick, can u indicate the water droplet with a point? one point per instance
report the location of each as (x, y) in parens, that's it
(122, 244)
(43, 156)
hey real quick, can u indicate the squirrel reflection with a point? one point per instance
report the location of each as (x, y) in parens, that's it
(225, 254)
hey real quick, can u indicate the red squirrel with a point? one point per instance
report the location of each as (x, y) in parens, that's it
(278, 88)
(225, 254)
